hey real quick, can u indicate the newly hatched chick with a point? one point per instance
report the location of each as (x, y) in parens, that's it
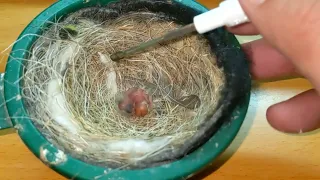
(135, 101)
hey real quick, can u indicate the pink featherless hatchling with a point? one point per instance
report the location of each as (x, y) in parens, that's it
(135, 101)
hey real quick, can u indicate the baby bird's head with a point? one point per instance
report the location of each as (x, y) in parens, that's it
(135, 101)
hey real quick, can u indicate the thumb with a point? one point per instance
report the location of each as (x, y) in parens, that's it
(292, 27)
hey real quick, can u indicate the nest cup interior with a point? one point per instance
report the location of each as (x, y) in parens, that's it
(225, 53)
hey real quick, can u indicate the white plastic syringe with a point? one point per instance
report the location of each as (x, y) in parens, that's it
(229, 13)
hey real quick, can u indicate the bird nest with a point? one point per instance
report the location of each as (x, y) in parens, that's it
(119, 112)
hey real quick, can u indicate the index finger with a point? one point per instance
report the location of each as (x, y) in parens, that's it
(244, 29)
(266, 62)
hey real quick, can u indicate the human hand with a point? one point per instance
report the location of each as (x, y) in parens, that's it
(290, 47)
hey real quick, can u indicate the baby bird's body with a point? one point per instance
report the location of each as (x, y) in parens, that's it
(136, 102)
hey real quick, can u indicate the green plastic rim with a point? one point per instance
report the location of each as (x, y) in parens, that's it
(74, 168)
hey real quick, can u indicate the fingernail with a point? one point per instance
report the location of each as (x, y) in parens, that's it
(256, 2)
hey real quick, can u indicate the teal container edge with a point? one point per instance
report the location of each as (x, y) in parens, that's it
(5, 121)
(73, 168)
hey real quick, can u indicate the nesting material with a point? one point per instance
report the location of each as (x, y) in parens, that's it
(119, 112)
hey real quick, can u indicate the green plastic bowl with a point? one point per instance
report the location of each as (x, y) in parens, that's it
(227, 49)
